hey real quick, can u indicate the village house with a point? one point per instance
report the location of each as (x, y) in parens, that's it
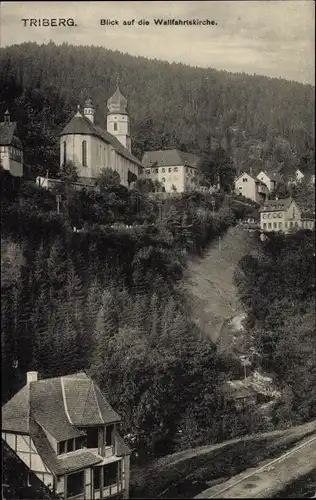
(252, 188)
(172, 168)
(282, 215)
(270, 178)
(67, 434)
(11, 148)
(91, 148)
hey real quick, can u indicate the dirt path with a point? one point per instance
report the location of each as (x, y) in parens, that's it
(210, 283)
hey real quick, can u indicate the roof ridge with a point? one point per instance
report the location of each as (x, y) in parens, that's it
(64, 400)
(96, 399)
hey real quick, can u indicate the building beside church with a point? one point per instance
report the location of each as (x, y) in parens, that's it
(67, 434)
(91, 148)
(11, 148)
(172, 168)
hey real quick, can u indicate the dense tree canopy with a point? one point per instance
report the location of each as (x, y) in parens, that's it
(247, 121)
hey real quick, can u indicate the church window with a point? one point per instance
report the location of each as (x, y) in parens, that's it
(65, 153)
(163, 169)
(115, 126)
(84, 153)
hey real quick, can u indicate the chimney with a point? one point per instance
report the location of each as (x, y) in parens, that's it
(31, 377)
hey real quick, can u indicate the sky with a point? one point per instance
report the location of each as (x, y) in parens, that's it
(267, 37)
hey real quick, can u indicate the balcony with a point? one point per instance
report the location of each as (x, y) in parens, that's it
(109, 491)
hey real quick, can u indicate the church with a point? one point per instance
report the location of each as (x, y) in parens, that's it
(91, 148)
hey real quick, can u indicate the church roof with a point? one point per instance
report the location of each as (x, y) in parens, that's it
(169, 158)
(117, 102)
(80, 124)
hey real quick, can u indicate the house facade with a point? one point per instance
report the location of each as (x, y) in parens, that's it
(251, 188)
(11, 148)
(270, 179)
(281, 216)
(173, 169)
(67, 434)
(91, 148)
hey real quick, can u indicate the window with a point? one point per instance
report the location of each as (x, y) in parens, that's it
(269, 225)
(163, 169)
(169, 169)
(163, 179)
(175, 169)
(70, 445)
(156, 170)
(245, 179)
(96, 478)
(115, 126)
(264, 225)
(62, 447)
(108, 435)
(80, 442)
(75, 484)
(147, 171)
(186, 169)
(92, 437)
(274, 225)
(65, 153)
(84, 153)
(110, 474)
(280, 225)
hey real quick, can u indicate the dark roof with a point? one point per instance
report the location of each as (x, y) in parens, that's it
(15, 413)
(85, 402)
(273, 175)
(121, 447)
(7, 135)
(169, 158)
(59, 405)
(276, 205)
(80, 124)
(61, 464)
(49, 410)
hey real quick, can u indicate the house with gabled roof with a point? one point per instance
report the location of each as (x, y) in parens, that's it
(175, 170)
(270, 178)
(11, 148)
(250, 187)
(280, 215)
(67, 433)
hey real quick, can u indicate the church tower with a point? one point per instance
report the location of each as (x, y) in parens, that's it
(118, 119)
(89, 110)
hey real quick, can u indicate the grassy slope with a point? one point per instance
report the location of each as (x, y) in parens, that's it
(188, 473)
(210, 283)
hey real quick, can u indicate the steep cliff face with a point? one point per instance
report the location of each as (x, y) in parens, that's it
(210, 283)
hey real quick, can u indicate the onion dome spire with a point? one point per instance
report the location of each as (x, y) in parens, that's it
(117, 103)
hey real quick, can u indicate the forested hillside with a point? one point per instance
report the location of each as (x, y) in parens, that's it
(278, 290)
(252, 121)
(110, 301)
